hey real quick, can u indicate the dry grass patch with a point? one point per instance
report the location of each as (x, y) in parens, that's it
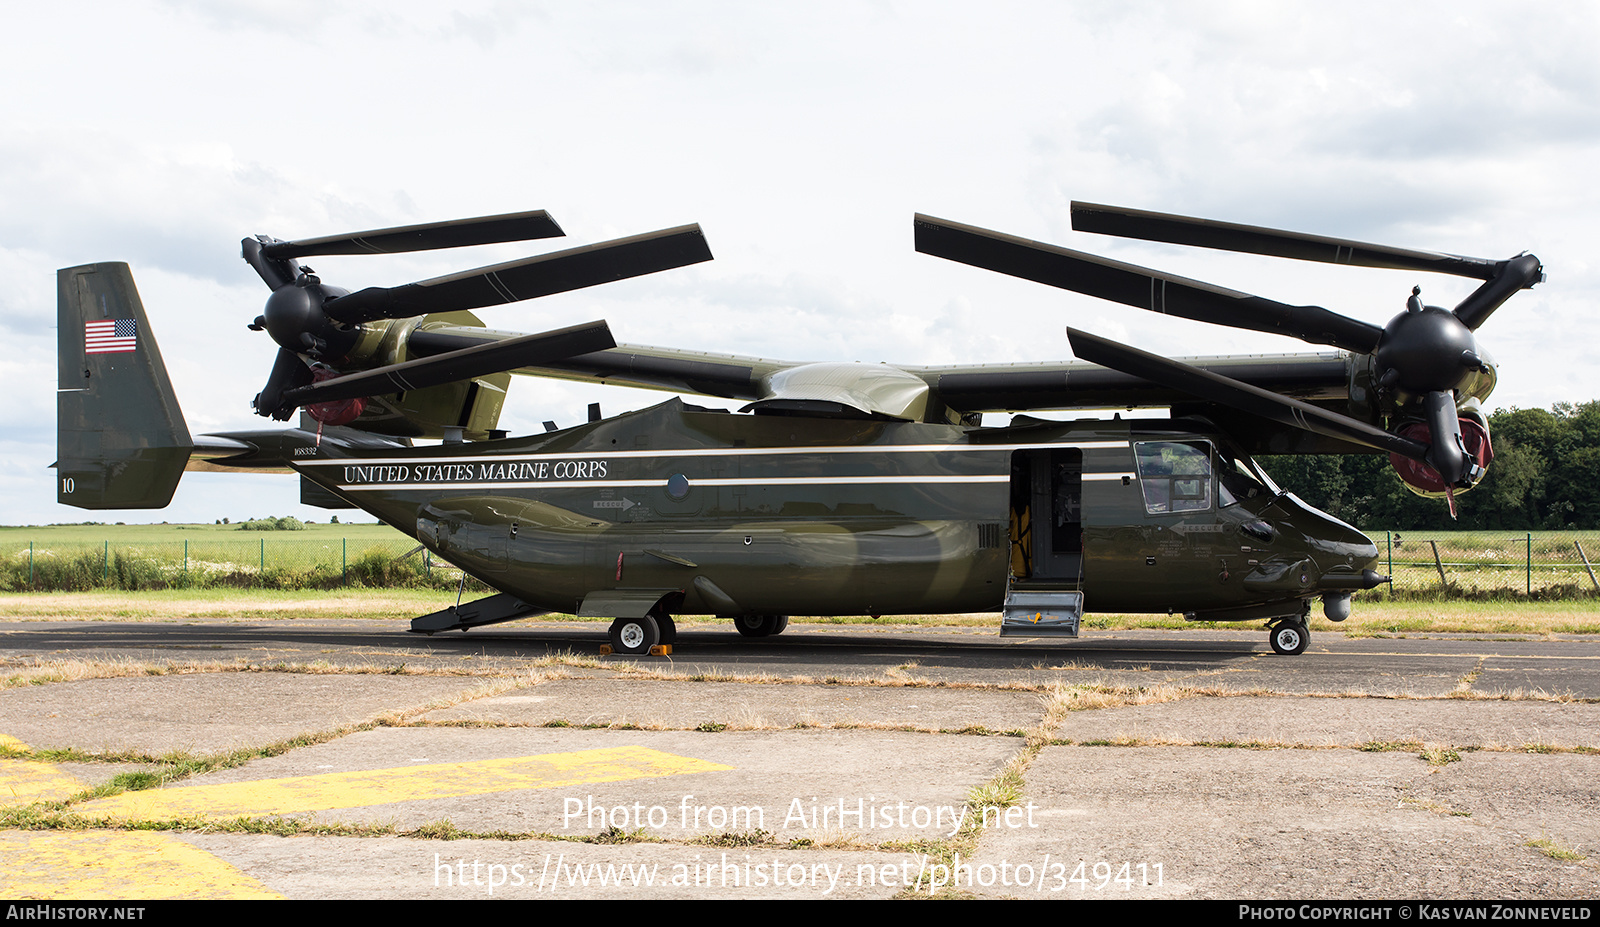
(1511, 695)
(41, 672)
(887, 681)
(714, 727)
(224, 604)
(903, 674)
(1434, 807)
(1128, 740)
(1440, 755)
(569, 658)
(736, 839)
(1465, 683)
(1555, 850)
(1061, 700)
(1510, 617)
(487, 690)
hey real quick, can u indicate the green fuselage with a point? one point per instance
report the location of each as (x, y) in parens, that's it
(769, 514)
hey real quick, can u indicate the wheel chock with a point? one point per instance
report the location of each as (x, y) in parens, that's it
(658, 650)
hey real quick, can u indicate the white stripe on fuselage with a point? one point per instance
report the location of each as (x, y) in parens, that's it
(720, 452)
(657, 484)
(871, 479)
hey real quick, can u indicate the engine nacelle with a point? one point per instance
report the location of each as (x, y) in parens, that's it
(1423, 479)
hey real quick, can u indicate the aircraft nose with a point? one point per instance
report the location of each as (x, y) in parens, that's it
(1334, 544)
(1363, 547)
(1348, 545)
(1348, 558)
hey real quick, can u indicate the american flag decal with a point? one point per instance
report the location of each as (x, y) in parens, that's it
(109, 336)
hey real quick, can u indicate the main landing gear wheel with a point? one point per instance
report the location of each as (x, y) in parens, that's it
(635, 635)
(1290, 638)
(761, 625)
(669, 628)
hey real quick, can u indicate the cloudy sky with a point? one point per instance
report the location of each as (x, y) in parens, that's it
(802, 137)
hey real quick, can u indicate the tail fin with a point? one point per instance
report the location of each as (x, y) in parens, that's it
(120, 437)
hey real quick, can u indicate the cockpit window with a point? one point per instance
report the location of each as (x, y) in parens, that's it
(1237, 480)
(1175, 476)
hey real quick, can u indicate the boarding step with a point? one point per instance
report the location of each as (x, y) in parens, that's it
(1041, 610)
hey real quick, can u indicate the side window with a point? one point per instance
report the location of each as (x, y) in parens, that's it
(1175, 476)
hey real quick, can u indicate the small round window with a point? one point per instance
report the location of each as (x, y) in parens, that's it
(677, 486)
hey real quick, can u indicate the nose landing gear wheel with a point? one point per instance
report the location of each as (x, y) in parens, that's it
(1290, 638)
(635, 635)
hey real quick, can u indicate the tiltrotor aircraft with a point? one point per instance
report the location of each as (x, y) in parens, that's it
(840, 488)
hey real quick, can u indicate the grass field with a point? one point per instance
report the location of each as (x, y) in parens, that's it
(1474, 565)
(1551, 564)
(94, 534)
(145, 557)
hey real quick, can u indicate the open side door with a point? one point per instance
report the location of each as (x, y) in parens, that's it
(1044, 595)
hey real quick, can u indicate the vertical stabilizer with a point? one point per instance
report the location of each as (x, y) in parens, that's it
(120, 437)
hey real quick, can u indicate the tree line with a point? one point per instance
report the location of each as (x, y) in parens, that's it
(1542, 478)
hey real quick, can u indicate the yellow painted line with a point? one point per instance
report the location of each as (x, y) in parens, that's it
(99, 865)
(24, 781)
(407, 783)
(96, 865)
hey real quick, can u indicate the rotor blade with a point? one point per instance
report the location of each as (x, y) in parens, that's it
(1224, 391)
(457, 233)
(289, 372)
(1519, 273)
(1141, 287)
(1448, 454)
(1251, 239)
(484, 359)
(528, 278)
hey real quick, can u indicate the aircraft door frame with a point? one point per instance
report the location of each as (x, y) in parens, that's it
(1047, 514)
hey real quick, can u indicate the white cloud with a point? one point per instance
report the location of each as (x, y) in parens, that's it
(802, 138)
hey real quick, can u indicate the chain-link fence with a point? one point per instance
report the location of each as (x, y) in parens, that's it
(1489, 564)
(263, 561)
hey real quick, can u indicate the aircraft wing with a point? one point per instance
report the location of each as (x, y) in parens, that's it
(729, 376)
(1081, 385)
(905, 392)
